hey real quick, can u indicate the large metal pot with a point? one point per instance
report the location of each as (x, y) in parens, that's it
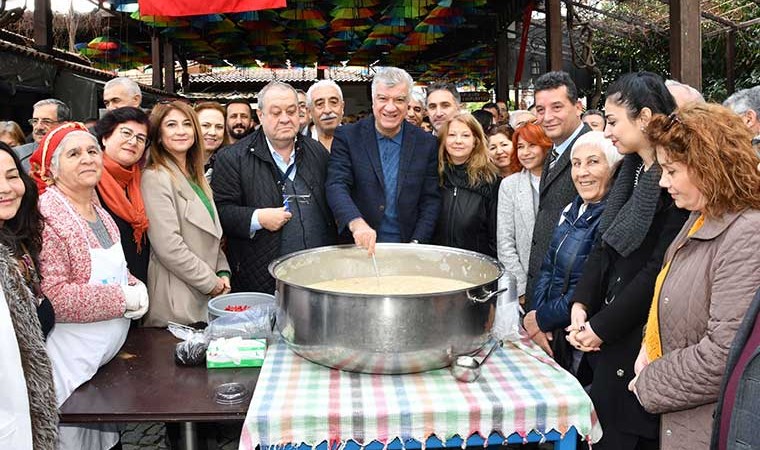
(385, 334)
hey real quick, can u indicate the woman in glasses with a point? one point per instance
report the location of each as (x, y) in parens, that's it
(123, 134)
(187, 265)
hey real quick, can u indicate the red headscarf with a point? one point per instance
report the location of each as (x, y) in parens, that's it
(42, 157)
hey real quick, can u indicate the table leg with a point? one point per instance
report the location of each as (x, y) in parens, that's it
(188, 437)
(569, 441)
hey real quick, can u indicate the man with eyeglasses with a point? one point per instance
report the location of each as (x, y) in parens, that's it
(46, 115)
(382, 177)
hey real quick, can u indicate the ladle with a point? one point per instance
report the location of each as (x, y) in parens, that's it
(467, 368)
(377, 272)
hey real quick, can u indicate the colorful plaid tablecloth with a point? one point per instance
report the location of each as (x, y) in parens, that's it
(520, 390)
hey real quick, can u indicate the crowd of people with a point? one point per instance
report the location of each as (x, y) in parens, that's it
(631, 232)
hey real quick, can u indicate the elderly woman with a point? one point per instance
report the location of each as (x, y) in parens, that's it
(187, 264)
(84, 272)
(211, 118)
(123, 133)
(469, 187)
(593, 161)
(11, 133)
(710, 273)
(612, 297)
(26, 316)
(501, 149)
(518, 203)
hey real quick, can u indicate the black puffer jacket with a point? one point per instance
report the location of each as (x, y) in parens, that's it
(245, 179)
(468, 214)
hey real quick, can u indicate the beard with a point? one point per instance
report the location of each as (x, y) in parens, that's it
(236, 134)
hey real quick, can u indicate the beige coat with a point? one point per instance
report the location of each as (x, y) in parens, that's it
(185, 249)
(712, 279)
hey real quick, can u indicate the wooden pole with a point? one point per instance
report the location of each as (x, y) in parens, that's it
(553, 35)
(155, 60)
(43, 26)
(730, 62)
(686, 42)
(168, 67)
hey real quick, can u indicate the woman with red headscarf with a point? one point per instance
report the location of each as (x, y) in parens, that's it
(84, 272)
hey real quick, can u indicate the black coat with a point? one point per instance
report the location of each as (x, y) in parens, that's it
(618, 292)
(245, 179)
(555, 193)
(468, 214)
(137, 263)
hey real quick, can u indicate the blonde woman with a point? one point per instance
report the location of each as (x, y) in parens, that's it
(187, 265)
(469, 187)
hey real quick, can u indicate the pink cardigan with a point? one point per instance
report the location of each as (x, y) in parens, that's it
(65, 265)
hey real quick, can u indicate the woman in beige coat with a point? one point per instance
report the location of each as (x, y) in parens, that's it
(187, 265)
(710, 272)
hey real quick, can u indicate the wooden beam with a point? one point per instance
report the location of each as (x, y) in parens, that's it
(43, 26)
(730, 61)
(553, 35)
(686, 42)
(155, 59)
(502, 66)
(168, 66)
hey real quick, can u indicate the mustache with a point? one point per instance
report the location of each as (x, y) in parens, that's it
(328, 116)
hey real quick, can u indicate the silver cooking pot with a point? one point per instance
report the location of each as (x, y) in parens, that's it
(386, 334)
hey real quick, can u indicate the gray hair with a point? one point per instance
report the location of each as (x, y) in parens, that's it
(744, 100)
(63, 112)
(391, 76)
(515, 115)
(692, 95)
(419, 95)
(55, 160)
(596, 139)
(128, 84)
(274, 85)
(321, 84)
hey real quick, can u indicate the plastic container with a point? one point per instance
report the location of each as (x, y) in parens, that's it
(216, 305)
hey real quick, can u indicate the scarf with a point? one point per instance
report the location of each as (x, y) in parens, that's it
(37, 368)
(630, 211)
(652, 341)
(120, 190)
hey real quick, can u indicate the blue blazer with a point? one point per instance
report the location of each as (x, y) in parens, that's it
(355, 186)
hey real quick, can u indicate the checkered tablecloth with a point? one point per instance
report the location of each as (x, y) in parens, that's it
(520, 390)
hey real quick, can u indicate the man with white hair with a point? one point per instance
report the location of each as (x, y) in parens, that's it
(325, 102)
(746, 103)
(120, 92)
(683, 93)
(382, 177)
(416, 112)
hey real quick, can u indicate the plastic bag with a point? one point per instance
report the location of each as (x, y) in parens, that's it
(506, 326)
(256, 322)
(192, 350)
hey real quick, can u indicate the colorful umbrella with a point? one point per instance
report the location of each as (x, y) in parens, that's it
(159, 21)
(103, 43)
(351, 13)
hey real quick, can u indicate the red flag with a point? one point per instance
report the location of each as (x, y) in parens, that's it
(199, 7)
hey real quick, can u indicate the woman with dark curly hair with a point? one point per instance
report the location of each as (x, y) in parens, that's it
(21, 228)
(123, 134)
(710, 272)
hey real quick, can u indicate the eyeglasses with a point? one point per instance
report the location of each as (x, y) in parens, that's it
(128, 134)
(45, 122)
(672, 120)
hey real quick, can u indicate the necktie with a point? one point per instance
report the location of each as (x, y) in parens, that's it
(553, 157)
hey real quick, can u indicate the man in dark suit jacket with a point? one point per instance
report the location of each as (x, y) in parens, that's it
(382, 180)
(558, 111)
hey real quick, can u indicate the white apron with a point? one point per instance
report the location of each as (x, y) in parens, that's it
(78, 350)
(15, 422)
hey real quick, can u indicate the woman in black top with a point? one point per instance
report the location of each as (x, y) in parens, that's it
(469, 187)
(123, 134)
(612, 297)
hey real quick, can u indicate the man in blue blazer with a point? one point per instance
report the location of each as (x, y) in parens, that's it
(382, 179)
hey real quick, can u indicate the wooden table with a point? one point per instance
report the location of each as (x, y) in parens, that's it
(143, 384)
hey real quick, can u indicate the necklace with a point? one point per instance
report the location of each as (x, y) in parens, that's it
(638, 174)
